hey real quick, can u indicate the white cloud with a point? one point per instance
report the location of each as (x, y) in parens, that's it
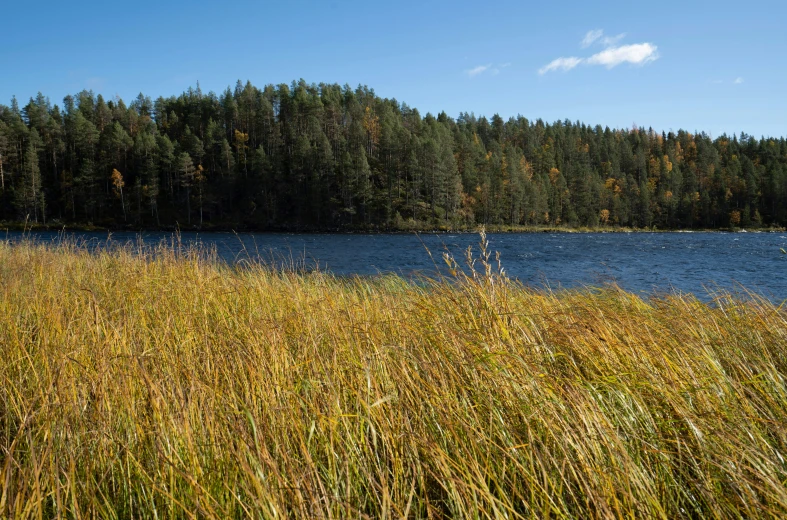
(591, 37)
(597, 36)
(563, 64)
(478, 70)
(499, 67)
(736, 81)
(612, 55)
(609, 41)
(492, 69)
(636, 54)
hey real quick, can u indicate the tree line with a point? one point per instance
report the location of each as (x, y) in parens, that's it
(306, 156)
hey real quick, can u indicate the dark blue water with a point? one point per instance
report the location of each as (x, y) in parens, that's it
(644, 263)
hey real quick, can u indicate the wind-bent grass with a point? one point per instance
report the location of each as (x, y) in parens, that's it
(170, 386)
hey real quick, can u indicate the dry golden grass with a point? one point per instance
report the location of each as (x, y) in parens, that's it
(169, 386)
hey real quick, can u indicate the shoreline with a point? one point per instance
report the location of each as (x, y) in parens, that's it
(27, 227)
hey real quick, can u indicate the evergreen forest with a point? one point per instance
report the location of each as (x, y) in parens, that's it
(330, 157)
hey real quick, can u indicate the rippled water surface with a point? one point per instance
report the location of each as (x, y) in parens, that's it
(639, 262)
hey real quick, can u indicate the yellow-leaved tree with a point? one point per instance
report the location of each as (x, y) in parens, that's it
(117, 185)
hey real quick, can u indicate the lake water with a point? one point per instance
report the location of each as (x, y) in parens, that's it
(639, 262)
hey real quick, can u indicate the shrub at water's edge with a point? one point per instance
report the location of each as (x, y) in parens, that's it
(168, 385)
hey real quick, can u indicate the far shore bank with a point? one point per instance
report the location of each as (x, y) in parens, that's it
(90, 228)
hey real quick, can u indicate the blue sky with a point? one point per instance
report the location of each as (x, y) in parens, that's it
(705, 66)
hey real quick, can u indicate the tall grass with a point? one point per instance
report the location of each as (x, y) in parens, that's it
(167, 385)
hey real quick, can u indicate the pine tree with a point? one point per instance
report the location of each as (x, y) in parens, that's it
(30, 197)
(325, 154)
(186, 171)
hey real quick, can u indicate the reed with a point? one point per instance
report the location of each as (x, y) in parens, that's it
(161, 383)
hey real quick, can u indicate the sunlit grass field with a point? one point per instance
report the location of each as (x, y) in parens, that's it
(165, 384)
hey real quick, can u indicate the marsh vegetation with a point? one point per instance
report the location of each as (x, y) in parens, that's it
(167, 384)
